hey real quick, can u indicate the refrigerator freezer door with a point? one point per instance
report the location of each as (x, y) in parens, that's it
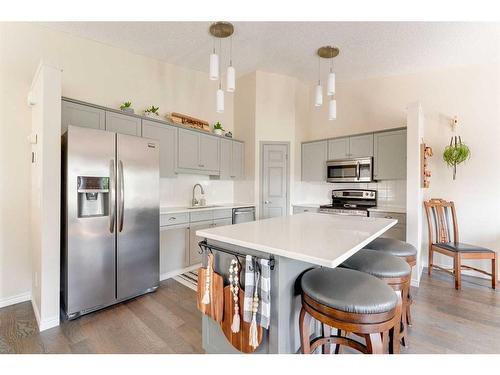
(138, 215)
(89, 255)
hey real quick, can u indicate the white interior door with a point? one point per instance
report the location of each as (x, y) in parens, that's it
(274, 182)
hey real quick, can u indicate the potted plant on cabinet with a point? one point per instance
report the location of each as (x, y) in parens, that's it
(152, 112)
(127, 107)
(218, 130)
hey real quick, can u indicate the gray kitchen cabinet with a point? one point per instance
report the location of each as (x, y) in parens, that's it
(231, 159)
(389, 149)
(222, 222)
(301, 209)
(174, 243)
(194, 257)
(209, 152)
(237, 161)
(338, 148)
(197, 153)
(123, 124)
(167, 136)
(398, 231)
(314, 157)
(361, 146)
(81, 115)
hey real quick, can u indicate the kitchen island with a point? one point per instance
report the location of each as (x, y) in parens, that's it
(296, 243)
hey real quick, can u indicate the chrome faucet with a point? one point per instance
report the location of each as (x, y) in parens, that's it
(194, 201)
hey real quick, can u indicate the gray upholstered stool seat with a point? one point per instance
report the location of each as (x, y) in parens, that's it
(378, 264)
(393, 246)
(348, 290)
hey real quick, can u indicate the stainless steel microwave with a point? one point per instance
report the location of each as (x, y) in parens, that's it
(350, 170)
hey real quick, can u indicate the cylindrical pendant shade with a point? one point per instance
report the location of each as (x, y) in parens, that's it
(214, 67)
(220, 101)
(331, 84)
(332, 109)
(231, 79)
(318, 97)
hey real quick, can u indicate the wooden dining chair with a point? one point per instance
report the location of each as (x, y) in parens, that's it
(441, 218)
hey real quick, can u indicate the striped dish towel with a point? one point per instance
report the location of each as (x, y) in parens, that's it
(263, 281)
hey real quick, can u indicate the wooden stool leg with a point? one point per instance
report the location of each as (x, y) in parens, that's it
(404, 317)
(408, 310)
(457, 262)
(374, 343)
(304, 327)
(326, 332)
(429, 266)
(494, 270)
(337, 346)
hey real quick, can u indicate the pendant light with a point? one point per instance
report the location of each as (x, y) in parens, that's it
(318, 95)
(231, 73)
(222, 30)
(327, 52)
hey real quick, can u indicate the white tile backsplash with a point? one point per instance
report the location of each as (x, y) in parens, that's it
(390, 192)
(178, 191)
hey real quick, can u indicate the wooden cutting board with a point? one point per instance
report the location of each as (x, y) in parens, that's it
(239, 340)
(215, 308)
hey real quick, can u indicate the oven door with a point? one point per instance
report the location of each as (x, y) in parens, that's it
(351, 170)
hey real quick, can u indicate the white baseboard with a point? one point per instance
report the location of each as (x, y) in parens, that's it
(12, 300)
(169, 275)
(45, 323)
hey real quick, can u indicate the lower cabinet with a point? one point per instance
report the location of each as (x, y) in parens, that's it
(301, 209)
(398, 231)
(174, 240)
(193, 255)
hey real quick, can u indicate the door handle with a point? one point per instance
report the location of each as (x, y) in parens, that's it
(358, 172)
(121, 202)
(112, 196)
(267, 202)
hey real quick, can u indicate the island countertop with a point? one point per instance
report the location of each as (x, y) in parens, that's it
(324, 240)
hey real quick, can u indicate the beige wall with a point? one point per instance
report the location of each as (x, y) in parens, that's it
(92, 72)
(473, 94)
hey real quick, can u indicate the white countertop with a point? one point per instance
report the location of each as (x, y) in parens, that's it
(324, 240)
(218, 206)
(383, 208)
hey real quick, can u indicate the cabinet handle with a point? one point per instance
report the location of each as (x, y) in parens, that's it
(171, 218)
(201, 165)
(388, 217)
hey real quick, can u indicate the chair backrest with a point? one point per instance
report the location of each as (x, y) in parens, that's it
(441, 216)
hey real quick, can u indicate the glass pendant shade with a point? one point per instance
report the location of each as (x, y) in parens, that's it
(214, 67)
(220, 100)
(318, 97)
(230, 79)
(331, 84)
(332, 109)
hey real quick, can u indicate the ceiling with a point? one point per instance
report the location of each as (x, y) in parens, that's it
(367, 49)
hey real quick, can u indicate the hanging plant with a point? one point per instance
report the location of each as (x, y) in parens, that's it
(456, 153)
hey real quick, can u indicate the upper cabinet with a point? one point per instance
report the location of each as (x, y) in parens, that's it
(361, 146)
(81, 115)
(314, 157)
(350, 147)
(167, 136)
(120, 123)
(197, 152)
(338, 148)
(231, 159)
(389, 155)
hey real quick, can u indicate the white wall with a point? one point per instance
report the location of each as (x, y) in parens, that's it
(92, 72)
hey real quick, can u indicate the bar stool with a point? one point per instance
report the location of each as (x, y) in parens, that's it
(400, 249)
(351, 301)
(395, 272)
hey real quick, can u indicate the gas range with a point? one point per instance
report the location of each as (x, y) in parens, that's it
(350, 202)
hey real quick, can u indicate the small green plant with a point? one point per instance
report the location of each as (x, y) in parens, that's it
(126, 105)
(152, 109)
(456, 153)
(217, 125)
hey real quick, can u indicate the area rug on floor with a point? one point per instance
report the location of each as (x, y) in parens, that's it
(189, 279)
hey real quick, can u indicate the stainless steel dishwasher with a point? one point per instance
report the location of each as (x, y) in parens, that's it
(243, 214)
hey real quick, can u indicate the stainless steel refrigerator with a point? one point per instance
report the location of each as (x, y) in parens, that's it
(110, 219)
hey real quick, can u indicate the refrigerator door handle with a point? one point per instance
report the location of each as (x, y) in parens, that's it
(112, 196)
(121, 203)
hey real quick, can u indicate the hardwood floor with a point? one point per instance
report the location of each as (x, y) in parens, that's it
(444, 321)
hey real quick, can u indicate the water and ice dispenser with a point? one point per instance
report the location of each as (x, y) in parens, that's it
(93, 196)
